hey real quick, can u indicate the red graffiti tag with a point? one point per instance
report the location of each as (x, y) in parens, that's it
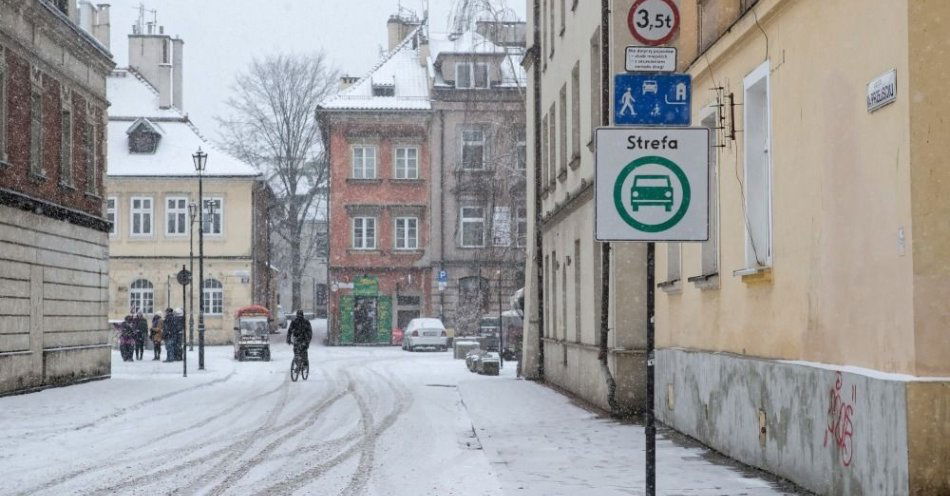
(840, 427)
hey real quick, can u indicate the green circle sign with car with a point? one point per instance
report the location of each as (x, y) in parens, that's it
(658, 187)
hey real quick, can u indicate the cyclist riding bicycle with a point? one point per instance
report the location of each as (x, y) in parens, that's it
(299, 334)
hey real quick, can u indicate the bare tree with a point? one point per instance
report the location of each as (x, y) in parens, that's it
(272, 125)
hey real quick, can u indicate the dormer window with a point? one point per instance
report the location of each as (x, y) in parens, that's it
(143, 137)
(469, 75)
(384, 90)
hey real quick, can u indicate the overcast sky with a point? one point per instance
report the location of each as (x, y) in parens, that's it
(222, 36)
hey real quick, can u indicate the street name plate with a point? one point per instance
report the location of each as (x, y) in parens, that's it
(652, 184)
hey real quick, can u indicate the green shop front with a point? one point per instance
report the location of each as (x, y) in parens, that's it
(365, 314)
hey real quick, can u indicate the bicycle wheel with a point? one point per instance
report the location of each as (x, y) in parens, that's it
(294, 370)
(305, 371)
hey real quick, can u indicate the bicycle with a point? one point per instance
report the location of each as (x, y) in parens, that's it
(298, 368)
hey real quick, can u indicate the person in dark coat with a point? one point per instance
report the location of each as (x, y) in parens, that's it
(299, 334)
(155, 335)
(127, 338)
(170, 333)
(141, 332)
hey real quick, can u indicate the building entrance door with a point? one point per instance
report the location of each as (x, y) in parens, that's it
(364, 319)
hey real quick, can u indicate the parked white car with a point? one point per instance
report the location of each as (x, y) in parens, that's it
(425, 333)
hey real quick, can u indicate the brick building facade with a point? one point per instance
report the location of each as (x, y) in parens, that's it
(53, 235)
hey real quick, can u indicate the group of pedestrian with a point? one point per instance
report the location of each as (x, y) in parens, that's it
(135, 330)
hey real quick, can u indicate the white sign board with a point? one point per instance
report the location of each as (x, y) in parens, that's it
(652, 184)
(882, 90)
(650, 59)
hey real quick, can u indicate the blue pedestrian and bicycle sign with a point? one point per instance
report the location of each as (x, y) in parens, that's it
(652, 100)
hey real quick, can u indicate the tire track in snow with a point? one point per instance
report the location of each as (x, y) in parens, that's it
(239, 472)
(402, 401)
(174, 470)
(123, 461)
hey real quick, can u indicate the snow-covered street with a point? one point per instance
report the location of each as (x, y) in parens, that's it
(375, 421)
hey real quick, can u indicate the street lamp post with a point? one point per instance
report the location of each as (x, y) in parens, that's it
(201, 160)
(192, 214)
(501, 332)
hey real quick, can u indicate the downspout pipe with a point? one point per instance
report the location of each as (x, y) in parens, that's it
(604, 354)
(538, 233)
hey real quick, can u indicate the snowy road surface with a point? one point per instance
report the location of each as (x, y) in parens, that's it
(374, 421)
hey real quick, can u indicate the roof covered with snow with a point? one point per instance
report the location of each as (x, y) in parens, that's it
(474, 43)
(400, 70)
(134, 103)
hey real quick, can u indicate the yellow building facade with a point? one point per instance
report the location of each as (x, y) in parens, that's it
(143, 267)
(809, 336)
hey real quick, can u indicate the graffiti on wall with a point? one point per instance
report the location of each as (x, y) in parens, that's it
(840, 426)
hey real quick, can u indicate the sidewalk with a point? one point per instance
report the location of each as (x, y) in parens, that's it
(539, 443)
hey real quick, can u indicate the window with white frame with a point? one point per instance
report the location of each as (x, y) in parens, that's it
(91, 149)
(481, 76)
(673, 265)
(473, 149)
(66, 148)
(364, 233)
(407, 162)
(576, 111)
(176, 215)
(213, 216)
(140, 216)
(463, 75)
(472, 227)
(521, 148)
(112, 215)
(212, 295)
(141, 296)
(36, 133)
(470, 75)
(758, 188)
(407, 233)
(364, 162)
(521, 224)
(562, 134)
(710, 247)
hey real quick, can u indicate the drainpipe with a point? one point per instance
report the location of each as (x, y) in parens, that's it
(441, 211)
(538, 234)
(604, 354)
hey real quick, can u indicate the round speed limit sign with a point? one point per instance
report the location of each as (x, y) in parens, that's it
(653, 22)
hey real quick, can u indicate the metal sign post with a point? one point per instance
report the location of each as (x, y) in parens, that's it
(651, 184)
(184, 278)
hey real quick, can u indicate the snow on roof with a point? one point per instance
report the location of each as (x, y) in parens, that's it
(473, 43)
(130, 95)
(173, 156)
(399, 69)
(135, 102)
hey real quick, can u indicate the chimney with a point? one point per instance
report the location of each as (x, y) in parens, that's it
(347, 81)
(159, 59)
(95, 20)
(399, 27)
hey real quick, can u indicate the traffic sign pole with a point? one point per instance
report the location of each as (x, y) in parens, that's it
(650, 427)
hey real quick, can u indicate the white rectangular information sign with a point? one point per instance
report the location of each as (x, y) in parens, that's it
(652, 184)
(650, 59)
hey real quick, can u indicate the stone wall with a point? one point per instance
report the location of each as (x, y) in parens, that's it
(53, 299)
(833, 431)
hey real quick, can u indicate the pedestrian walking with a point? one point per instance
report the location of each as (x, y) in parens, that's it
(168, 332)
(156, 336)
(141, 331)
(127, 338)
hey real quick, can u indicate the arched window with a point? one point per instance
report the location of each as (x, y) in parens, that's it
(213, 294)
(141, 297)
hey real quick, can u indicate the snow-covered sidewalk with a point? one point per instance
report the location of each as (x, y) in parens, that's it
(540, 443)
